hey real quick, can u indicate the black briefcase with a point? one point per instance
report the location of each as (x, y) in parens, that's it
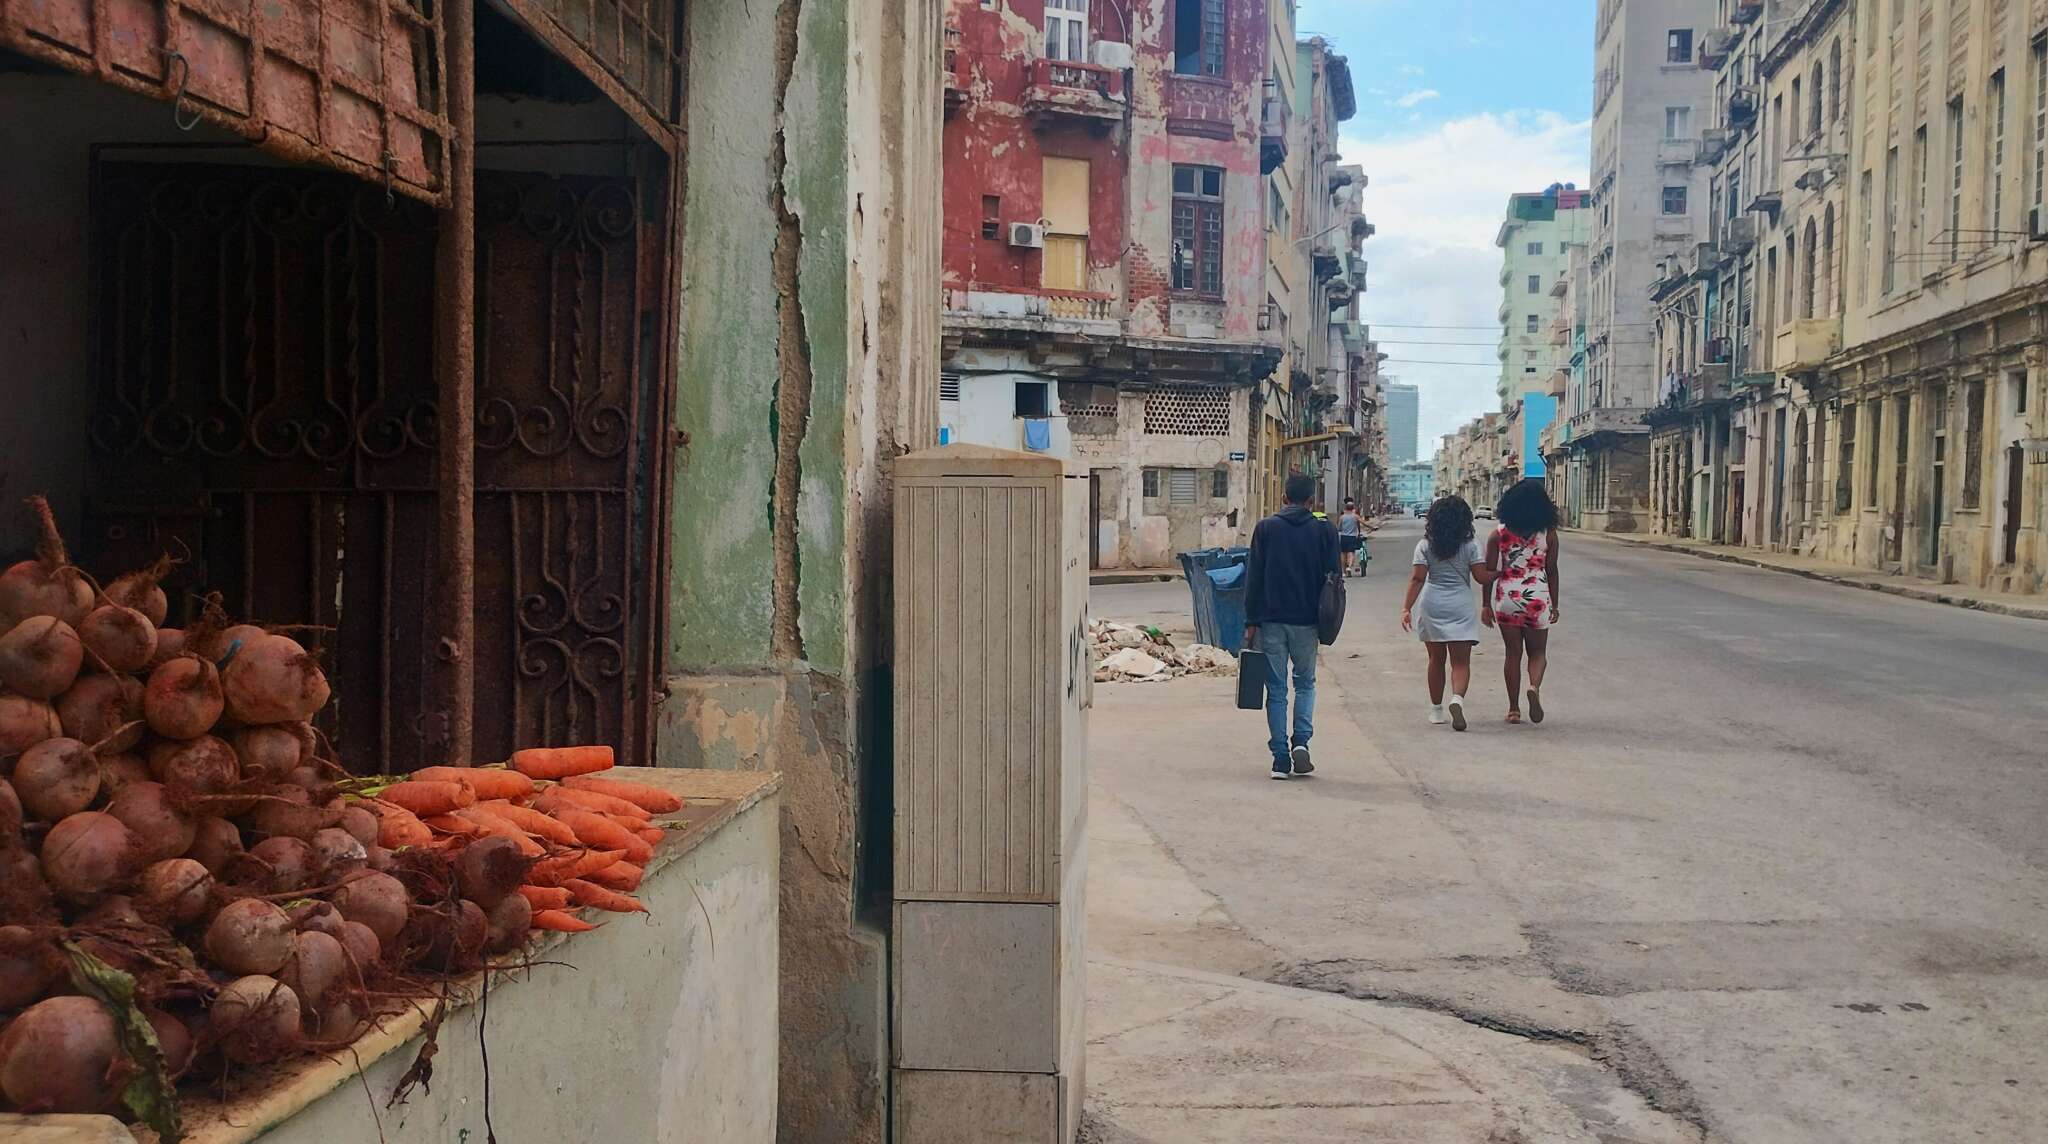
(1251, 680)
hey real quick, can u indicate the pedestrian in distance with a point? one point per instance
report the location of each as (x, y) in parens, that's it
(1522, 554)
(1293, 553)
(1447, 564)
(1350, 532)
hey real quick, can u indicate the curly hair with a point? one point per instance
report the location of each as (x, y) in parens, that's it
(1448, 526)
(1526, 508)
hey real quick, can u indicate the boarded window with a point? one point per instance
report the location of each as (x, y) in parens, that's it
(1188, 411)
(1180, 485)
(949, 387)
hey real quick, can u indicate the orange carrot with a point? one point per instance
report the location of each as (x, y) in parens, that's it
(590, 894)
(532, 821)
(652, 835)
(621, 876)
(561, 921)
(546, 897)
(554, 798)
(597, 830)
(570, 864)
(450, 824)
(487, 783)
(425, 797)
(561, 762)
(398, 827)
(496, 827)
(649, 798)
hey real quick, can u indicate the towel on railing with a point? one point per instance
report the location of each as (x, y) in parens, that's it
(1038, 434)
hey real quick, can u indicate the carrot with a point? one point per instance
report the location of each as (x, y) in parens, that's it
(571, 864)
(649, 798)
(398, 827)
(590, 894)
(546, 897)
(425, 797)
(561, 921)
(496, 827)
(487, 783)
(561, 762)
(621, 876)
(532, 821)
(554, 798)
(451, 824)
(652, 835)
(597, 830)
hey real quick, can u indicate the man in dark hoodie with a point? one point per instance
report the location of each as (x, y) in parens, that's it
(1293, 553)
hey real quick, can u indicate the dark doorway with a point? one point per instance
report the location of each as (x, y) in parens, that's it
(2015, 477)
(1901, 448)
(1937, 454)
(1094, 520)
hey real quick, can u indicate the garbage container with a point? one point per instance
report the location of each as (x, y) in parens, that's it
(1228, 585)
(1202, 589)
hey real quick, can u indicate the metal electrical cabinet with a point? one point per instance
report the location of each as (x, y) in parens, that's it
(992, 683)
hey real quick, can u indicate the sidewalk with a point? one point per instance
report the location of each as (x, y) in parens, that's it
(1934, 592)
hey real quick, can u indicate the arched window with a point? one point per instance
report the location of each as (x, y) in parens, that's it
(1835, 81)
(1813, 120)
(1827, 262)
(1806, 274)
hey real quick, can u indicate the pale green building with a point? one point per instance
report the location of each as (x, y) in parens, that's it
(1539, 228)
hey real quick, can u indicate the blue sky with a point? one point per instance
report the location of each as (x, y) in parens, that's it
(1460, 103)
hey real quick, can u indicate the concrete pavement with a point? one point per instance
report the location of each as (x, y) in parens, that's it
(1772, 870)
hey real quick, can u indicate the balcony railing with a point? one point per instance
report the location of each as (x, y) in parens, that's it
(1272, 129)
(1746, 11)
(1080, 306)
(1075, 90)
(1026, 309)
(1742, 103)
(1677, 152)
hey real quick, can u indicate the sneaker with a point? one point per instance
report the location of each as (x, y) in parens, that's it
(1301, 764)
(1457, 709)
(1436, 714)
(1282, 769)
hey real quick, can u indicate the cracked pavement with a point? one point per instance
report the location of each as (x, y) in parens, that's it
(1771, 871)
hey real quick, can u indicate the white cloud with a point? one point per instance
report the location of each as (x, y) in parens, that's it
(1436, 196)
(1415, 97)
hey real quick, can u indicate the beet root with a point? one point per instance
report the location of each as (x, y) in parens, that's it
(40, 657)
(120, 639)
(59, 1057)
(98, 706)
(201, 766)
(24, 722)
(30, 967)
(378, 901)
(249, 936)
(47, 585)
(257, 1018)
(215, 843)
(488, 869)
(318, 962)
(511, 921)
(273, 680)
(183, 699)
(143, 591)
(290, 861)
(88, 854)
(57, 778)
(174, 892)
(161, 829)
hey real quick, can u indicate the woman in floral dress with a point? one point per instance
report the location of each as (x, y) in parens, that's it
(1523, 603)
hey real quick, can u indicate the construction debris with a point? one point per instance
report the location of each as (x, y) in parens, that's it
(1135, 653)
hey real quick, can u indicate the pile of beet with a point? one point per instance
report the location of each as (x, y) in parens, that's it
(190, 881)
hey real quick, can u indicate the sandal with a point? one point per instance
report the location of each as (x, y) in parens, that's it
(1535, 707)
(1514, 716)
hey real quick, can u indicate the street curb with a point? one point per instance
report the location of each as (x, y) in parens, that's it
(1909, 591)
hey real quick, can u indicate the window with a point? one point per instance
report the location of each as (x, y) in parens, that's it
(1276, 207)
(1678, 123)
(1876, 441)
(1813, 118)
(1034, 399)
(1198, 230)
(1674, 200)
(1796, 108)
(1995, 201)
(1064, 263)
(1845, 478)
(1180, 486)
(1973, 443)
(1955, 183)
(991, 216)
(1151, 482)
(1528, 369)
(1535, 283)
(1916, 211)
(2039, 66)
(1734, 192)
(1891, 217)
(1678, 46)
(1219, 483)
(1529, 326)
(1198, 37)
(1535, 248)
(1835, 82)
(1066, 30)
(949, 387)
(1831, 302)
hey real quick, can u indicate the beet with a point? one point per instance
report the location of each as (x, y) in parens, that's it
(57, 778)
(60, 1055)
(116, 910)
(379, 901)
(216, 842)
(99, 705)
(30, 967)
(272, 751)
(287, 812)
(170, 644)
(291, 861)
(362, 945)
(273, 680)
(117, 771)
(142, 590)
(47, 585)
(511, 920)
(200, 766)
(24, 895)
(24, 722)
(40, 657)
(174, 892)
(337, 852)
(317, 963)
(183, 699)
(488, 869)
(10, 818)
(257, 1019)
(214, 638)
(249, 936)
(320, 917)
(161, 829)
(119, 639)
(361, 825)
(172, 1037)
(88, 854)
(450, 938)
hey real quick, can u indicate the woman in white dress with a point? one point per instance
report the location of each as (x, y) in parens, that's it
(1448, 564)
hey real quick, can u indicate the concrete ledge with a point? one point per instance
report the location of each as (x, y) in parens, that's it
(1913, 589)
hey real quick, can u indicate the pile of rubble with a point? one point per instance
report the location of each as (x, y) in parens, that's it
(1135, 653)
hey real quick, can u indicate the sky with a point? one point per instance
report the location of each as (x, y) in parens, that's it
(1460, 103)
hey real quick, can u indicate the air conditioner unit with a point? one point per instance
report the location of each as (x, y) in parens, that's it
(1027, 234)
(1110, 54)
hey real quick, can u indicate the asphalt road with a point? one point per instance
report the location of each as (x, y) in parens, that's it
(1776, 858)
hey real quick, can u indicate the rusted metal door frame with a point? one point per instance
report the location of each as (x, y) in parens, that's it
(659, 115)
(455, 370)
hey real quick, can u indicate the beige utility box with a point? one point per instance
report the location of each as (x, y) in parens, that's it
(992, 682)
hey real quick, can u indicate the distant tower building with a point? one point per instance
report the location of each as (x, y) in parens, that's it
(1402, 402)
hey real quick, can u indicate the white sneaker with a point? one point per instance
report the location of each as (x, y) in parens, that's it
(1436, 714)
(1457, 709)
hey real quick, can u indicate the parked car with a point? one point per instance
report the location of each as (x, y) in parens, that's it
(1483, 512)
(1421, 510)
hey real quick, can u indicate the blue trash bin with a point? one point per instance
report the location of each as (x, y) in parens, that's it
(1202, 590)
(1228, 585)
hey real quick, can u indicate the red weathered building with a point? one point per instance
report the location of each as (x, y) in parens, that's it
(1105, 251)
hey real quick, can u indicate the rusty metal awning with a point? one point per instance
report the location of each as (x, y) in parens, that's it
(352, 84)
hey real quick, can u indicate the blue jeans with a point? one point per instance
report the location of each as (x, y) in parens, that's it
(1283, 643)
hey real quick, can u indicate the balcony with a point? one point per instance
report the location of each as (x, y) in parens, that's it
(1714, 143)
(1272, 129)
(1742, 104)
(1738, 234)
(1677, 152)
(1715, 47)
(1329, 263)
(1560, 287)
(1074, 92)
(955, 83)
(1805, 344)
(1560, 331)
(1746, 11)
(1050, 310)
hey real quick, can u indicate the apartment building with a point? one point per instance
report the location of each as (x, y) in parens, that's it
(1648, 189)
(1106, 281)
(1404, 409)
(1536, 236)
